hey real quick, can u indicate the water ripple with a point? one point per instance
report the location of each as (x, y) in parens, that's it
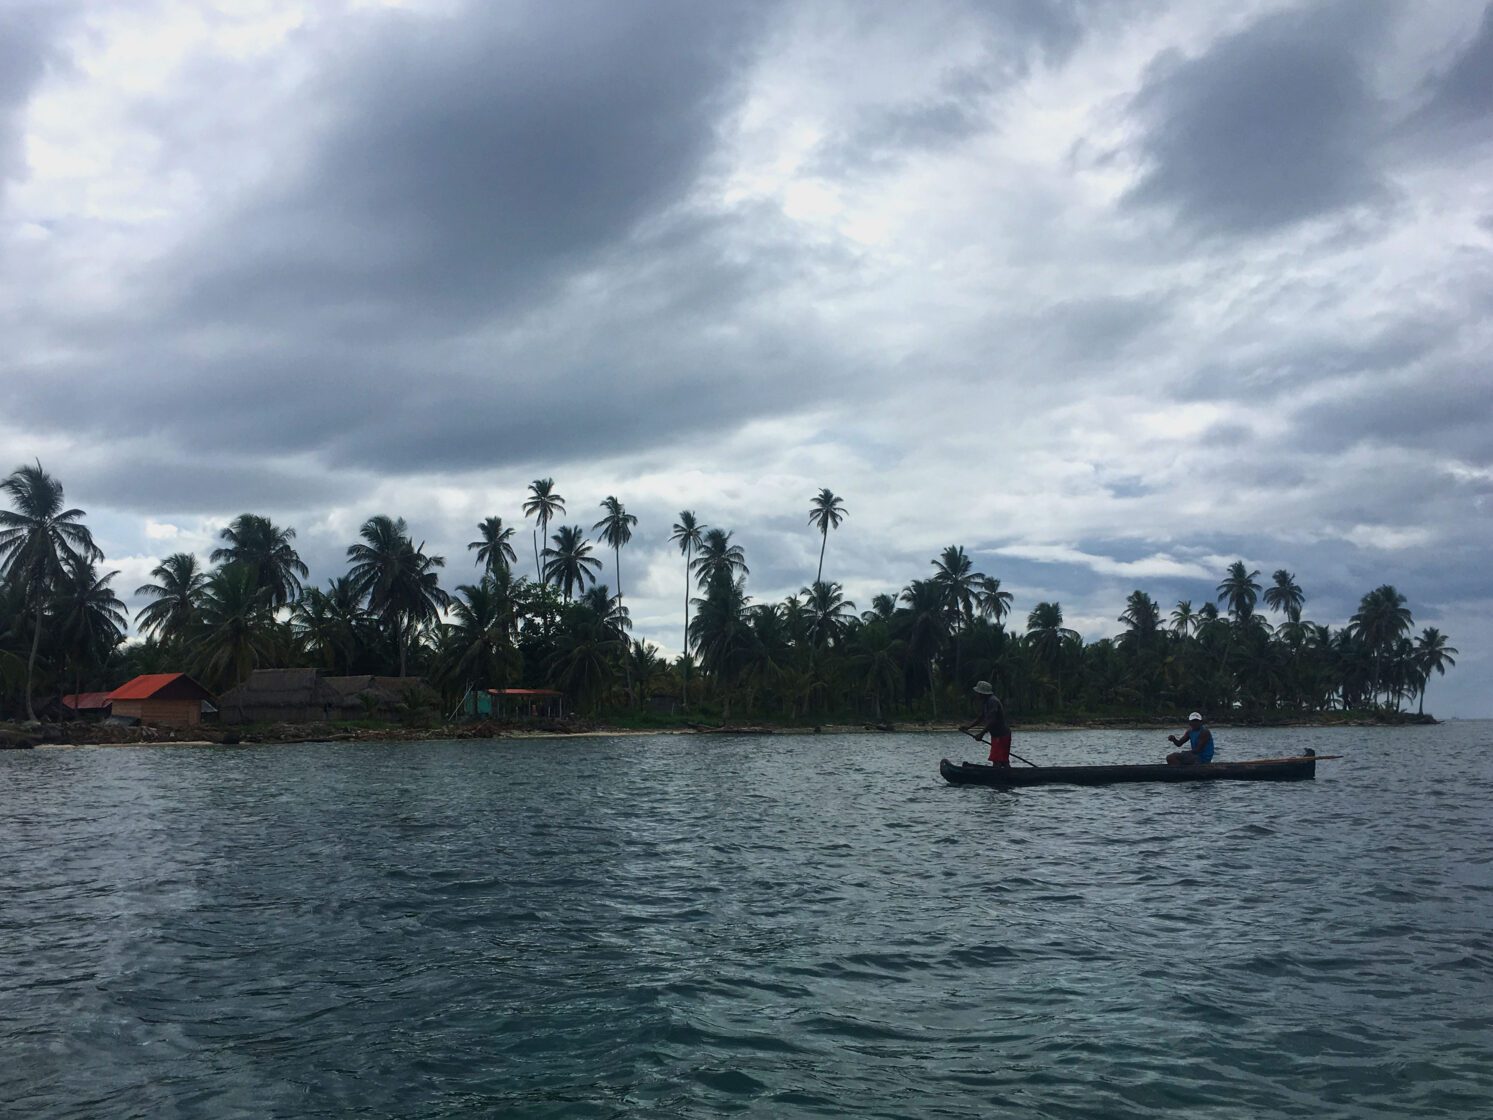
(773, 927)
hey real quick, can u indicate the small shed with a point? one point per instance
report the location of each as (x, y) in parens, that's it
(174, 699)
(515, 703)
(280, 696)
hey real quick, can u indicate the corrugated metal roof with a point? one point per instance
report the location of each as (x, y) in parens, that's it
(146, 686)
(86, 701)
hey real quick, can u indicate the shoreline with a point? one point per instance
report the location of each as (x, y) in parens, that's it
(57, 736)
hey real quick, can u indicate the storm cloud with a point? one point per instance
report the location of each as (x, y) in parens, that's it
(1110, 294)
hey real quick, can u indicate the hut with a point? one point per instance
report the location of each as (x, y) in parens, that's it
(281, 696)
(86, 705)
(514, 703)
(164, 698)
(382, 697)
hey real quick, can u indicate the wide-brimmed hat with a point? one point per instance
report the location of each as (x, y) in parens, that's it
(1195, 716)
(984, 689)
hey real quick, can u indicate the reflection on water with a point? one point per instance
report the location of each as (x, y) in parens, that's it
(778, 927)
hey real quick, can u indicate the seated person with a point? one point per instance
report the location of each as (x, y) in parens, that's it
(1199, 740)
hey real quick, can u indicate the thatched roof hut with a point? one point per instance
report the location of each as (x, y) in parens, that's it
(281, 696)
(384, 697)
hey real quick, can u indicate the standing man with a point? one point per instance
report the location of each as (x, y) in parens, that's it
(992, 720)
(1199, 742)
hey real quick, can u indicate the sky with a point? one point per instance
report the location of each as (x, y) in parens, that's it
(1111, 294)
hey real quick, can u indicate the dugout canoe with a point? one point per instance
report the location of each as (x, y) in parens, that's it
(1299, 768)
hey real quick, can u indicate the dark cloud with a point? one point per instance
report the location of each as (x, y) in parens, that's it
(165, 484)
(1271, 126)
(1461, 97)
(1268, 368)
(1449, 409)
(466, 160)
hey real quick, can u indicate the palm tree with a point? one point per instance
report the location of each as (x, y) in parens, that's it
(1046, 635)
(600, 601)
(616, 530)
(236, 626)
(176, 594)
(569, 564)
(1432, 654)
(825, 513)
(719, 559)
(1382, 619)
(993, 603)
(928, 628)
(1285, 595)
(259, 545)
(331, 624)
(39, 540)
(399, 580)
(90, 616)
(1239, 590)
(543, 504)
(829, 612)
(492, 545)
(879, 664)
(687, 535)
(883, 606)
(1185, 620)
(955, 573)
(480, 641)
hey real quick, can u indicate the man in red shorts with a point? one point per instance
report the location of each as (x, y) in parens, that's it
(992, 719)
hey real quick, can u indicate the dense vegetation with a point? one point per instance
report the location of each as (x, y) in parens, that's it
(912, 653)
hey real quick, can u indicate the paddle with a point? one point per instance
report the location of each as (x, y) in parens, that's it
(978, 739)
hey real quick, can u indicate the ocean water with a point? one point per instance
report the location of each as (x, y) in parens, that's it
(775, 927)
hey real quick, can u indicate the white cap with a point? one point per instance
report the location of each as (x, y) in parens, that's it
(1195, 716)
(984, 689)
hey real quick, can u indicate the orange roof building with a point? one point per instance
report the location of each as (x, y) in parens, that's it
(174, 699)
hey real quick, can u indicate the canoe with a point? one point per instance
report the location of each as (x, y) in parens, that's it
(1301, 767)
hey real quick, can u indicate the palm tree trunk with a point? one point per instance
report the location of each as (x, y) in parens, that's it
(824, 534)
(626, 661)
(31, 664)
(534, 536)
(684, 673)
(402, 639)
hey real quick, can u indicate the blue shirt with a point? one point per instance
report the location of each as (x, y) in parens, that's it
(1205, 750)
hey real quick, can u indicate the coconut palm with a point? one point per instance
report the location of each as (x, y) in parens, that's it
(176, 595)
(569, 565)
(1432, 654)
(829, 612)
(687, 535)
(1046, 636)
(1239, 590)
(479, 642)
(991, 601)
(1381, 620)
(39, 540)
(236, 626)
(1285, 595)
(883, 606)
(331, 624)
(1185, 620)
(399, 580)
(263, 548)
(90, 617)
(1142, 618)
(825, 513)
(493, 547)
(616, 530)
(542, 505)
(955, 573)
(600, 601)
(927, 628)
(719, 559)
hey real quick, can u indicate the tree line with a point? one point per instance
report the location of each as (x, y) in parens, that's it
(911, 653)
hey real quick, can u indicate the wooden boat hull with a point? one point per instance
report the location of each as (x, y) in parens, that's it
(1301, 768)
